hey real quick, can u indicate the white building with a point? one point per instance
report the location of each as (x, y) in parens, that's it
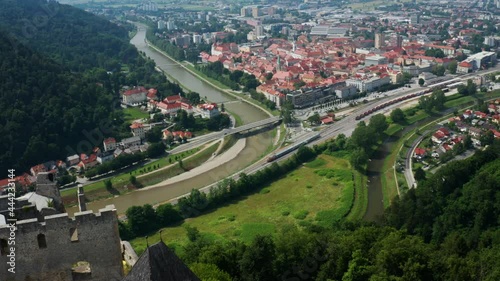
(369, 84)
(208, 110)
(109, 144)
(490, 41)
(346, 92)
(375, 60)
(482, 59)
(196, 38)
(259, 31)
(170, 25)
(134, 96)
(138, 130)
(161, 24)
(130, 142)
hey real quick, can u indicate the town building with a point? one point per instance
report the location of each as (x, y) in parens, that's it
(256, 12)
(346, 92)
(481, 60)
(208, 110)
(130, 142)
(379, 40)
(368, 84)
(375, 60)
(161, 24)
(109, 144)
(134, 96)
(138, 130)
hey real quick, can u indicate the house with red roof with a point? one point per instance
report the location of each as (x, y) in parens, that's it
(138, 130)
(481, 115)
(420, 153)
(152, 94)
(496, 133)
(495, 118)
(109, 144)
(326, 120)
(40, 168)
(468, 114)
(208, 110)
(438, 137)
(177, 135)
(134, 96)
(464, 67)
(492, 108)
(90, 162)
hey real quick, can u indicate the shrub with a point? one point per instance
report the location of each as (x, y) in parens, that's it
(300, 215)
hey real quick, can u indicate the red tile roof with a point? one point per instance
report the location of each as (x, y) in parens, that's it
(136, 125)
(420, 151)
(109, 140)
(135, 91)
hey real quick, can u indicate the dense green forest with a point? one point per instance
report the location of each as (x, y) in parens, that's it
(58, 83)
(446, 229)
(70, 36)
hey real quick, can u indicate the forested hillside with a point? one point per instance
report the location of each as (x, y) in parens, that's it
(56, 80)
(76, 39)
(43, 108)
(446, 229)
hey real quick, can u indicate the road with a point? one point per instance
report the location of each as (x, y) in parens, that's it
(197, 141)
(408, 172)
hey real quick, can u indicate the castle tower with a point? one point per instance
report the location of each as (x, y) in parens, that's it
(278, 67)
(46, 185)
(81, 199)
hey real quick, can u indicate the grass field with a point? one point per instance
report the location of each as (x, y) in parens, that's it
(318, 192)
(133, 113)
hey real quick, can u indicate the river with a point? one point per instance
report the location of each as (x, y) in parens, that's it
(255, 147)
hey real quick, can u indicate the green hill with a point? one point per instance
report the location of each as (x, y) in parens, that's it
(74, 38)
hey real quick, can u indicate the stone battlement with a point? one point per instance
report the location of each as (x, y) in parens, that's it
(59, 242)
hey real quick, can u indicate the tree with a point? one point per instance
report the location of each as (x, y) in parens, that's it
(287, 112)
(438, 70)
(192, 233)
(471, 88)
(468, 142)
(452, 67)
(379, 124)
(154, 135)
(167, 214)
(421, 82)
(155, 150)
(462, 90)
(269, 76)
(487, 138)
(256, 263)
(358, 159)
(133, 179)
(419, 174)
(108, 184)
(141, 219)
(397, 115)
(210, 272)
(426, 103)
(194, 98)
(314, 119)
(438, 99)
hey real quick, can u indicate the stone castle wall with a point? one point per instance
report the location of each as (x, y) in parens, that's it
(45, 250)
